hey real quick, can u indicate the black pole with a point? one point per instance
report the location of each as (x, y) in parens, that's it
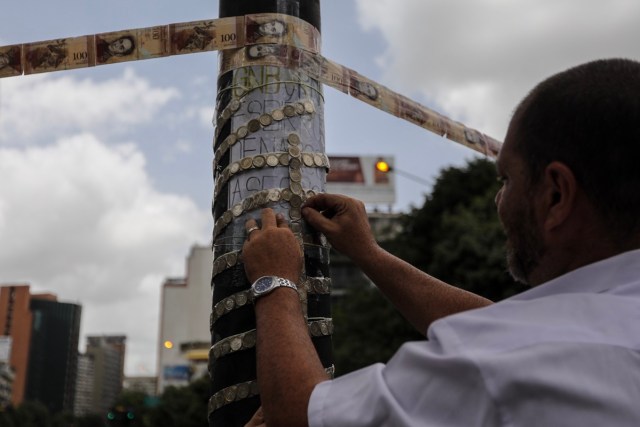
(269, 149)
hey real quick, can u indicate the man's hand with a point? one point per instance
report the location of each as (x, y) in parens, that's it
(343, 221)
(257, 420)
(271, 250)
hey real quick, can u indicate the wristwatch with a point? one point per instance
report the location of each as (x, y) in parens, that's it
(267, 284)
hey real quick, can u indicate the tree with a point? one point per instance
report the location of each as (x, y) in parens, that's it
(455, 236)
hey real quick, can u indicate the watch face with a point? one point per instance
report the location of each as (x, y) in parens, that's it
(263, 284)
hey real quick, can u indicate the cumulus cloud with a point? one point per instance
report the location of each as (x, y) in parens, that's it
(38, 106)
(475, 60)
(82, 219)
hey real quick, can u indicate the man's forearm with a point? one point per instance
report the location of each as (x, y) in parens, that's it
(420, 298)
(287, 362)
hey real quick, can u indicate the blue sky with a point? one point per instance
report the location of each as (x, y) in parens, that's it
(106, 172)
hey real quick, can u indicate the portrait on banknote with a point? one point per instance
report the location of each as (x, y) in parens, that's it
(359, 88)
(199, 36)
(110, 49)
(10, 61)
(258, 29)
(263, 50)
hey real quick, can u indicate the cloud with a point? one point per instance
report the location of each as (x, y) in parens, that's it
(475, 60)
(83, 220)
(38, 106)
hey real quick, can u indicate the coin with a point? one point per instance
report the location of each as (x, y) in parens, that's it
(232, 259)
(259, 161)
(230, 394)
(295, 201)
(231, 139)
(246, 163)
(227, 217)
(234, 105)
(295, 164)
(242, 132)
(275, 195)
(249, 340)
(243, 390)
(296, 188)
(299, 108)
(315, 329)
(234, 168)
(324, 328)
(294, 151)
(277, 115)
(241, 299)
(295, 175)
(308, 107)
(295, 214)
(237, 210)
(272, 160)
(317, 159)
(293, 139)
(307, 159)
(225, 348)
(266, 120)
(254, 125)
(289, 110)
(284, 159)
(219, 400)
(226, 114)
(295, 227)
(229, 304)
(220, 310)
(236, 344)
(286, 194)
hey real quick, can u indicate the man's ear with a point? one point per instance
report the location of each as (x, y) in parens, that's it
(558, 198)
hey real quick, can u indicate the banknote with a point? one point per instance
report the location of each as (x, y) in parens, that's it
(281, 29)
(153, 42)
(61, 54)
(10, 61)
(202, 36)
(118, 46)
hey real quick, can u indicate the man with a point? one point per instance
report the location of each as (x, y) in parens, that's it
(120, 47)
(565, 353)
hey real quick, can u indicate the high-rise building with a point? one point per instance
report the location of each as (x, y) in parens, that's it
(107, 353)
(185, 308)
(53, 353)
(44, 346)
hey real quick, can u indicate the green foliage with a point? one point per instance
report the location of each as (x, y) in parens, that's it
(182, 407)
(455, 236)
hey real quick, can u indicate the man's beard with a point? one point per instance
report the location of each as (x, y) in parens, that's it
(524, 245)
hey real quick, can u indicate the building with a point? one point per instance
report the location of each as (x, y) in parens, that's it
(185, 308)
(53, 353)
(44, 346)
(105, 356)
(84, 386)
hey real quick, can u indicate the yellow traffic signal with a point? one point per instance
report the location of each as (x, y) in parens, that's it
(383, 166)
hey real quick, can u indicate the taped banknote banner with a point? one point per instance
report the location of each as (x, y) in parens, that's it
(255, 40)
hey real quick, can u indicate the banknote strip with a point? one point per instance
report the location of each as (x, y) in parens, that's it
(155, 42)
(259, 39)
(56, 55)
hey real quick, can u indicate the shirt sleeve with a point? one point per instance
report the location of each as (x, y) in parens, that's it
(420, 386)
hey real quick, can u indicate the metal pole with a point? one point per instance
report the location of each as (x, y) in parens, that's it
(269, 152)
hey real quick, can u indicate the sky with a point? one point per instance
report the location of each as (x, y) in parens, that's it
(105, 173)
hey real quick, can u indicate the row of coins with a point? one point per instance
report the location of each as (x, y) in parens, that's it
(254, 125)
(244, 390)
(247, 340)
(312, 285)
(261, 199)
(294, 158)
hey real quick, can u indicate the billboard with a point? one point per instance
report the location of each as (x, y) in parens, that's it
(357, 176)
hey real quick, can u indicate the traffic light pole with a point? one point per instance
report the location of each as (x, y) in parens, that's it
(269, 152)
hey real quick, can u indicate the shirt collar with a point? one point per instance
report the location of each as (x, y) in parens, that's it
(598, 277)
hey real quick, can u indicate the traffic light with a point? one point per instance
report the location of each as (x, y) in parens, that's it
(383, 166)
